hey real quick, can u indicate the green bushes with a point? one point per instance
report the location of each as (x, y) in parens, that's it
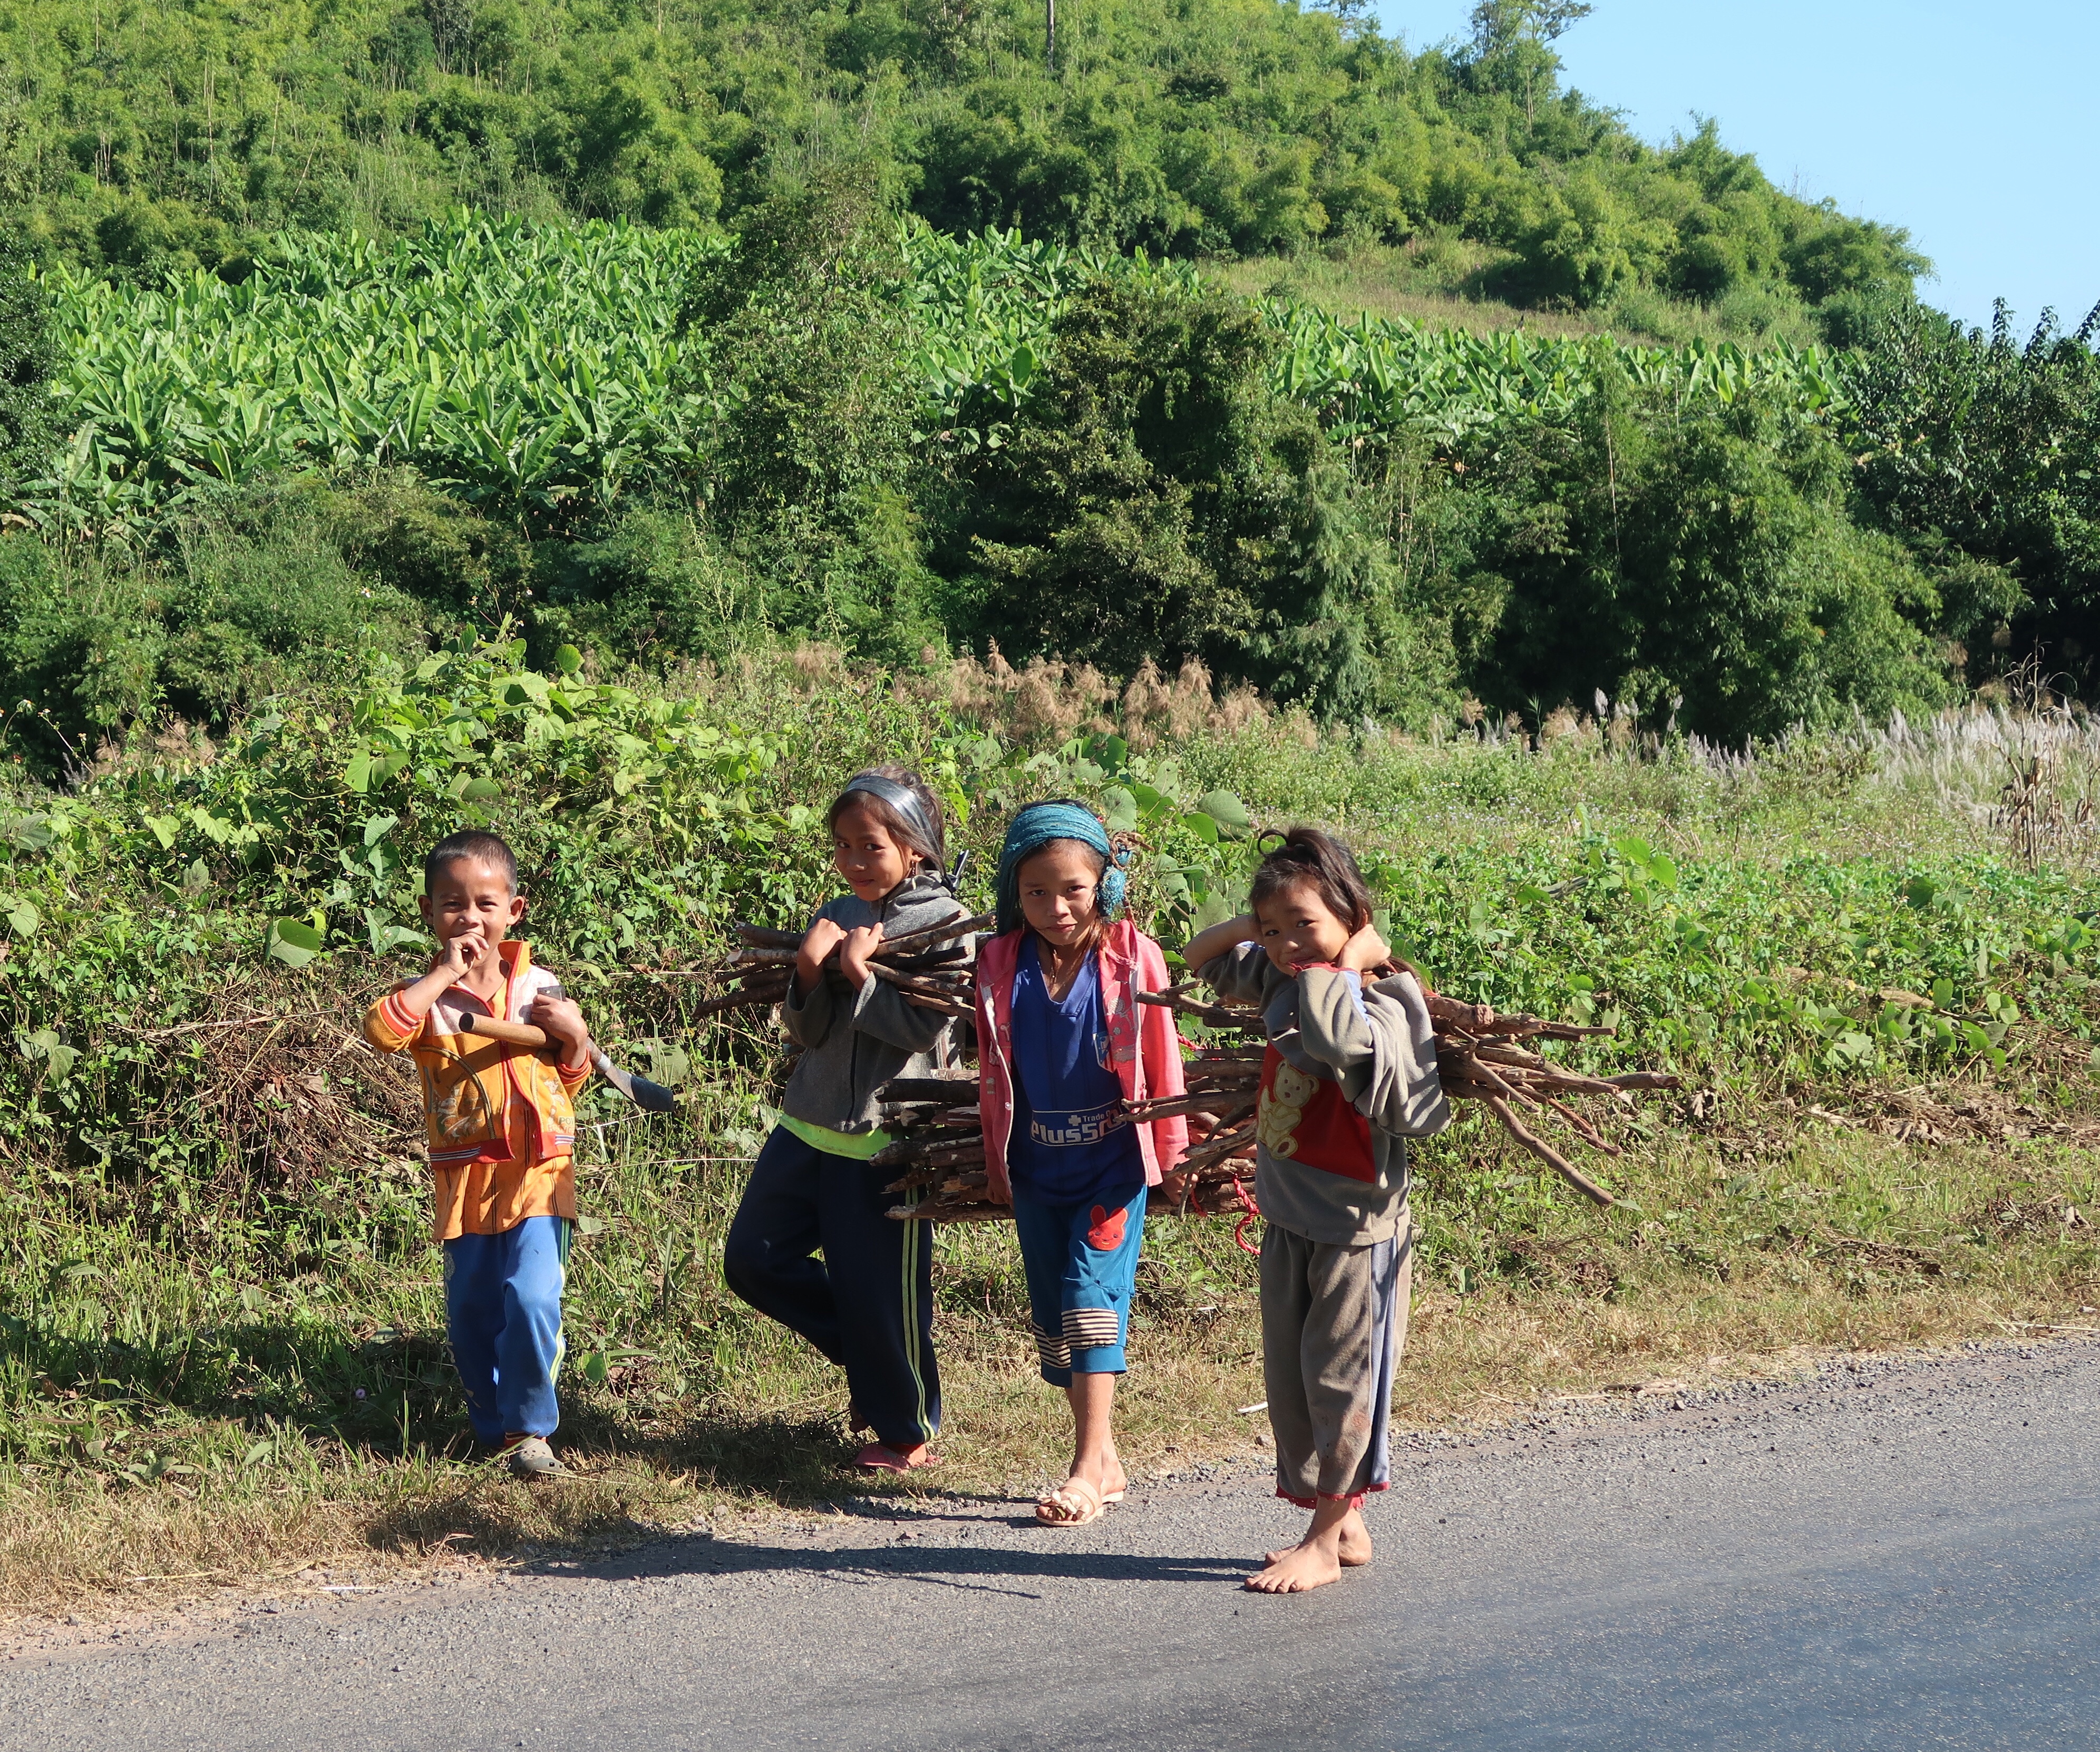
(264, 591)
(1984, 448)
(1154, 500)
(1699, 565)
(175, 141)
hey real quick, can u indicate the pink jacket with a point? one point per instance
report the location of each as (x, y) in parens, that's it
(1141, 1041)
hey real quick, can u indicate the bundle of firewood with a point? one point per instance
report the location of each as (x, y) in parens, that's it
(938, 1140)
(930, 967)
(1480, 1057)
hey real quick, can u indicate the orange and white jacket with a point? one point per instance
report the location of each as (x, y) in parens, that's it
(501, 1119)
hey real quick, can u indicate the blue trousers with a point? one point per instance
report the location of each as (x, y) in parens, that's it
(503, 1313)
(869, 1304)
(1081, 1261)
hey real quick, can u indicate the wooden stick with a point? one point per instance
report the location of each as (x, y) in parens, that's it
(950, 1112)
(937, 933)
(1583, 1129)
(739, 1000)
(510, 1034)
(1215, 1014)
(966, 1154)
(908, 982)
(1545, 1152)
(929, 1089)
(1216, 1147)
(1142, 1113)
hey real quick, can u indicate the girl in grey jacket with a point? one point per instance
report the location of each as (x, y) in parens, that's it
(867, 1304)
(1349, 1076)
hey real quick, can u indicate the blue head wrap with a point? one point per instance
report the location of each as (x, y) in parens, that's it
(1035, 827)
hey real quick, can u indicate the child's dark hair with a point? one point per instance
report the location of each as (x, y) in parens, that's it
(927, 836)
(1320, 862)
(473, 845)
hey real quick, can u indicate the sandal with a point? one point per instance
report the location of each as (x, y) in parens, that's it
(880, 1457)
(1073, 1504)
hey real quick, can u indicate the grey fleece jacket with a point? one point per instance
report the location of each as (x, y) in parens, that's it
(1377, 1043)
(853, 1041)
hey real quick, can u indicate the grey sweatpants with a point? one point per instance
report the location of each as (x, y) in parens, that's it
(1333, 1321)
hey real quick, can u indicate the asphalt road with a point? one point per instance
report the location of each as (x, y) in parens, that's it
(1900, 1555)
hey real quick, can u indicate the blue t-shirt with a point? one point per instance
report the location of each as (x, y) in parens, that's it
(1069, 1143)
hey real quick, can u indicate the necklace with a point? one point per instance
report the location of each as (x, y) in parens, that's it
(1060, 967)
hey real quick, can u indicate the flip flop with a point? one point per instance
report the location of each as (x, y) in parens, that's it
(1073, 1504)
(880, 1457)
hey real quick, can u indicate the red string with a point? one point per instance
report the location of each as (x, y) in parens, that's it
(1252, 1211)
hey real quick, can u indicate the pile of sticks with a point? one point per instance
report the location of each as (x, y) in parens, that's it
(930, 967)
(938, 1143)
(1480, 1057)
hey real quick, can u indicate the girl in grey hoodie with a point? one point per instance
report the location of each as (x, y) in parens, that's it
(867, 1304)
(1349, 1075)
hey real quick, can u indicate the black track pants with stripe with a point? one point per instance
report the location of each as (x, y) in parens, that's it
(868, 1303)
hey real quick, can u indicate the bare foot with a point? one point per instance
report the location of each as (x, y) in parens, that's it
(1297, 1571)
(1356, 1548)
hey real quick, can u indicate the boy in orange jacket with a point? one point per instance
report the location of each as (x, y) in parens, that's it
(502, 1138)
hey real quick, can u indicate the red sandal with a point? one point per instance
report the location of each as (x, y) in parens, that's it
(880, 1457)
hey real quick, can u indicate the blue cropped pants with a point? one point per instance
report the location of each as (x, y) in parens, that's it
(1081, 1262)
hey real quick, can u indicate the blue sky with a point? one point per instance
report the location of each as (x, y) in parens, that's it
(1977, 127)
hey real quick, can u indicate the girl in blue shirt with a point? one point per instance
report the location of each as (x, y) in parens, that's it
(1065, 1046)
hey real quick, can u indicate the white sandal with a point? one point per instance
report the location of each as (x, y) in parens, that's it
(1073, 1504)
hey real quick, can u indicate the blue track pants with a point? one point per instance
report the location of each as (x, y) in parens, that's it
(503, 1313)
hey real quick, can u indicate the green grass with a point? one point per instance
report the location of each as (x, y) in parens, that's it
(220, 1323)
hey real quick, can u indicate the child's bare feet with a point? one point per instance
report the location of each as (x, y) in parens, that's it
(1354, 1552)
(1316, 1559)
(1303, 1567)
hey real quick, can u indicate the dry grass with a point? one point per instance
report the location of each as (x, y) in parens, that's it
(1375, 281)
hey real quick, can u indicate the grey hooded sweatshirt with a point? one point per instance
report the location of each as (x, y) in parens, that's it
(854, 1042)
(1377, 1043)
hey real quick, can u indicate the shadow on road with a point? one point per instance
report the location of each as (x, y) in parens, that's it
(998, 1570)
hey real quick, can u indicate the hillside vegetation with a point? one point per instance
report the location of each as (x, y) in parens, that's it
(234, 450)
(655, 444)
(141, 137)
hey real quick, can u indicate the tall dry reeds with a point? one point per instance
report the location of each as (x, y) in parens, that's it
(1048, 699)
